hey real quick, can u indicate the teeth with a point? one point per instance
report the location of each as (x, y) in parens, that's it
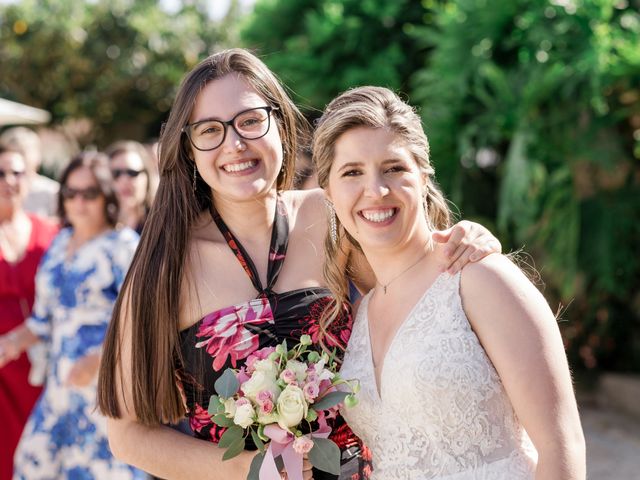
(238, 167)
(378, 215)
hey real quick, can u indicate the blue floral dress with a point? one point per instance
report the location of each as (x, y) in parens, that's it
(65, 437)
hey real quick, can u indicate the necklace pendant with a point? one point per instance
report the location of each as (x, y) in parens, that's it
(384, 289)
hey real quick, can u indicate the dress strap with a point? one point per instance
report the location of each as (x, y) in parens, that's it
(277, 247)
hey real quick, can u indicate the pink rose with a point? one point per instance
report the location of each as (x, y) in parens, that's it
(266, 407)
(264, 396)
(302, 445)
(261, 354)
(288, 376)
(311, 391)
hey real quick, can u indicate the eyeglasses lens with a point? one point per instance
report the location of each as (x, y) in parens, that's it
(90, 193)
(118, 172)
(250, 125)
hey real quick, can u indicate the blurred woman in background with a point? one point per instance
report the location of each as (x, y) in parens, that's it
(134, 180)
(76, 286)
(24, 237)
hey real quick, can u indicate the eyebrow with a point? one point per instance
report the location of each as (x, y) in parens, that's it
(218, 119)
(359, 164)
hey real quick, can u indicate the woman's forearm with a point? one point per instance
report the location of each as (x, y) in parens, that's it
(169, 454)
(563, 461)
(13, 343)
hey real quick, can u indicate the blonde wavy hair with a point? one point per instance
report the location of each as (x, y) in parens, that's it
(372, 107)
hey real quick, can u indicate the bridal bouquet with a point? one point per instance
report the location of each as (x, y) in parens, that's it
(283, 397)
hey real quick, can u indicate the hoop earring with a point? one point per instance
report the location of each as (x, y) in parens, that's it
(333, 223)
(195, 173)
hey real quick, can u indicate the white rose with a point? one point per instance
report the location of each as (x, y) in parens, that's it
(299, 368)
(258, 382)
(230, 407)
(244, 414)
(268, 367)
(292, 407)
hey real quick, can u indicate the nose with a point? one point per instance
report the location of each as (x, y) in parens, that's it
(233, 142)
(376, 187)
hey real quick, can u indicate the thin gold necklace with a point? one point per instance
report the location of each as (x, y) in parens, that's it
(384, 286)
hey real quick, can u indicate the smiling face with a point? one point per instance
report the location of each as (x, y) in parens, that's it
(239, 169)
(377, 188)
(13, 180)
(84, 204)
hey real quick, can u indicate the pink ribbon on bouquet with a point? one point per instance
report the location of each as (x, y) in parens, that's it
(282, 445)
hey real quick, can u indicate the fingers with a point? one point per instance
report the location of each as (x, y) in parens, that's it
(441, 236)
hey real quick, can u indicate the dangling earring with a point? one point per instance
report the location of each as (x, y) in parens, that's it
(333, 223)
(194, 176)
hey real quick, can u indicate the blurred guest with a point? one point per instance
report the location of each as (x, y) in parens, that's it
(76, 285)
(24, 237)
(41, 198)
(134, 180)
(306, 177)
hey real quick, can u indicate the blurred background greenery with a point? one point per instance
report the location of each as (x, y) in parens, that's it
(532, 108)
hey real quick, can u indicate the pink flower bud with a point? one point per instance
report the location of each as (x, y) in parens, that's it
(288, 376)
(302, 445)
(311, 391)
(264, 396)
(266, 407)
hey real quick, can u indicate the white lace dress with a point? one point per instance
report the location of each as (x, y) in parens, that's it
(442, 412)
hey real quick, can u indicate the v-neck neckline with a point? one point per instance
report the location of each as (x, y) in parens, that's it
(377, 382)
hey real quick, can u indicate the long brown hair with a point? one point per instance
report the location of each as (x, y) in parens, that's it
(154, 281)
(373, 107)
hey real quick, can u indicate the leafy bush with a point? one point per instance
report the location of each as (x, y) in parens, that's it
(540, 102)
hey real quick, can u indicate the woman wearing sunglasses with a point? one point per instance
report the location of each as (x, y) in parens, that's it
(24, 237)
(134, 181)
(76, 286)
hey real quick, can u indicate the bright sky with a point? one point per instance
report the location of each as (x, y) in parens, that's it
(217, 8)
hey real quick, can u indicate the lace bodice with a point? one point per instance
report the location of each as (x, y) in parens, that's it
(442, 412)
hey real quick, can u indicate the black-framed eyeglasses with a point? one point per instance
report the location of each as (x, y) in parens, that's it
(16, 173)
(129, 172)
(249, 124)
(89, 193)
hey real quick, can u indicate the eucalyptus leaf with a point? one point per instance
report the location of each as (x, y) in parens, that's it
(329, 400)
(234, 449)
(214, 405)
(230, 436)
(254, 470)
(227, 385)
(257, 440)
(222, 420)
(325, 455)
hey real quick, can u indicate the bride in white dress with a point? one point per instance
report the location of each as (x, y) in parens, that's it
(463, 376)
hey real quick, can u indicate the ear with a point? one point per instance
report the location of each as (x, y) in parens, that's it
(327, 194)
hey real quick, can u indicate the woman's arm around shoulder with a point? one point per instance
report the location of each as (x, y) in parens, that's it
(160, 450)
(521, 337)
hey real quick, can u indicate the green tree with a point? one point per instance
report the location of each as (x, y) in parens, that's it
(540, 102)
(117, 63)
(322, 47)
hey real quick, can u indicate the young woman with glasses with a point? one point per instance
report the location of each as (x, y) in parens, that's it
(134, 180)
(230, 261)
(76, 286)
